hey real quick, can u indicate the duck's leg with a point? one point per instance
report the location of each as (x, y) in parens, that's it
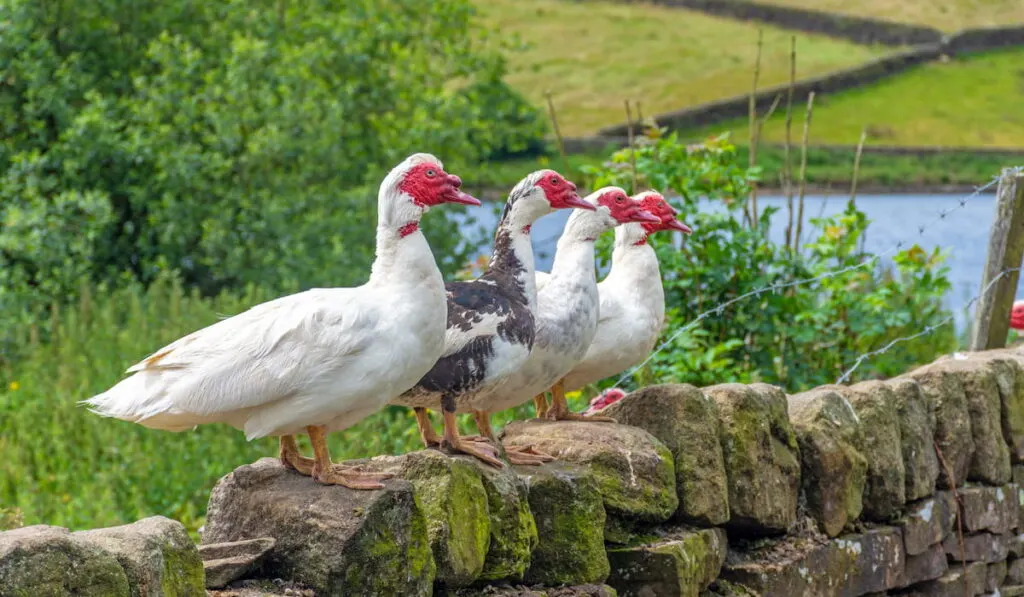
(328, 473)
(452, 441)
(560, 408)
(292, 458)
(515, 454)
(430, 437)
(540, 405)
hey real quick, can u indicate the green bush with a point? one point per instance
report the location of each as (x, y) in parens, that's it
(797, 336)
(233, 142)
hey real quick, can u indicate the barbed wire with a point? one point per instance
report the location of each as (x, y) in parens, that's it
(871, 261)
(846, 376)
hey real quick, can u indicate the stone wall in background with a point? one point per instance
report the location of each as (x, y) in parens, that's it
(909, 486)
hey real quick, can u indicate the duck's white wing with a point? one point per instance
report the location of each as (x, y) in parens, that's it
(542, 279)
(263, 355)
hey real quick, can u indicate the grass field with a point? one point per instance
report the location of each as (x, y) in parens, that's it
(947, 15)
(594, 55)
(971, 101)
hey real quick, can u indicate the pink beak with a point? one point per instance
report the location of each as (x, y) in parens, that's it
(457, 196)
(643, 216)
(574, 200)
(675, 224)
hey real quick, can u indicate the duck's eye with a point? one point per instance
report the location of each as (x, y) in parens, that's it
(619, 199)
(431, 173)
(554, 180)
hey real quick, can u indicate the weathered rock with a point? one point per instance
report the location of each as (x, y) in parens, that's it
(633, 470)
(945, 393)
(451, 493)
(806, 567)
(535, 591)
(989, 508)
(978, 547)
(928, 565)
(227, 562)
(687, 422)
(569, 513)
(50, 561)
(951, 584)
(335, 540)
(513, 532)
(927, 522)
(996, 575)
(1009, 373)
(917, 431)
(679, 564)
(875, 405)
(157, 556)
(1015, 572)
(991, 460)
(880, 560)
(252, 587)
(1016, 545)
(833, 471)
(1011, 591)
(762, 460)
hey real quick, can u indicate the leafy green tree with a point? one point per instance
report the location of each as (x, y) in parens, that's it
(234, 142)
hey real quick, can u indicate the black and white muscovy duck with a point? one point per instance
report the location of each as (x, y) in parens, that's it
(567, 310)
(632, 305)
(490, 319)
(316, 361)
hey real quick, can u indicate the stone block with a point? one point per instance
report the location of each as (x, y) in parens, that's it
(634, 471)
(158, 557)
(875, 405)
(687, 422)
(334, 540)
(44, 560)
(833, 470)
(679, 563)
(917, 431)
(569, 512)
(945, 392)
(927, 522)
(762, 460)
(989, 508)
(977, 547)
(227, 562)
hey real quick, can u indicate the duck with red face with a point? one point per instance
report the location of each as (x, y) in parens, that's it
(1017, 316)
(632, 304)
(491, 325)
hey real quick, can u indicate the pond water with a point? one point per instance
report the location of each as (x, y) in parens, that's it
(963, 234)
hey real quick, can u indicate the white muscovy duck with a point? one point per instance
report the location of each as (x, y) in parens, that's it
(316, 361)
(567, 311)
(490, 319)
(632, 305)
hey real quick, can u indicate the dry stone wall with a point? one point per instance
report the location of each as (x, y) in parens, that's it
(910, 486)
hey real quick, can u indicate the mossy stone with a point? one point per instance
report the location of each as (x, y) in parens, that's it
(334, 540)
(679, 563)
(1008, 368)
(833, 470)
(761, 457)
(513, 530)
(45, 561)
(570, 516)
(451, 492)
(687, 422)
(157, 556)
(917, 431)
(633, 470)
(886, 491)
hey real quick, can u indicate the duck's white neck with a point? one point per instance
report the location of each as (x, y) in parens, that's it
(634, 262)
(402, 253)
(574, 256)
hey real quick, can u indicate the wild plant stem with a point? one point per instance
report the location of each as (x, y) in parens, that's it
(754, 130)
(803, 171)
(554, 124)
(787, 170)
(632, 146)
(856, 165)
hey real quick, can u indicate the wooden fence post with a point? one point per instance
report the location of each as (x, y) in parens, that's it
(1005, 251)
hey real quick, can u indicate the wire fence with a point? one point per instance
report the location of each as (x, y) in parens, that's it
(866, 263)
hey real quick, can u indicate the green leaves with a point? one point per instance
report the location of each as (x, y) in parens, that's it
(799, 335)
(234, 142)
